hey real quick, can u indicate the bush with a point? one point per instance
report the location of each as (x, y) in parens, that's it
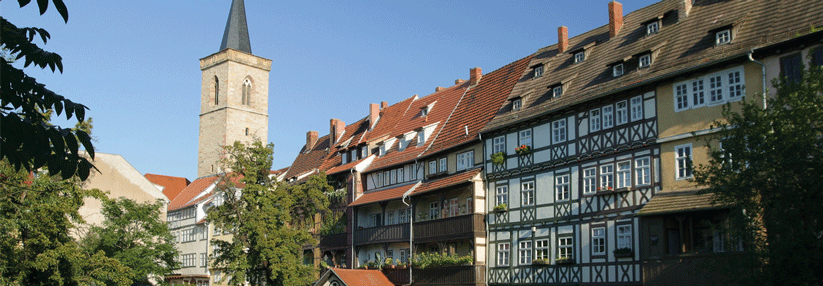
(425, 260)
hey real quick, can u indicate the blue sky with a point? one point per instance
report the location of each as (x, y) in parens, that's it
(135, 64)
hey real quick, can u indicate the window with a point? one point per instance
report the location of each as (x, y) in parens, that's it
(381, 151)
(557, 91)
(681, 97)
(636, 106)
(564, 247)
(216, 91)
(499, 144)
(469, 206)
(525, 250)
(401, 216)
(432, 167)
(187, 235)
(516, 104)
(454, 208)
(791, 67)
(599, 241)
(247, 131)
(375, 220)
(503, 254)
(424, 111)
(645, 61)
(683, 161)
(541, 250)
(589, 180)
(624, 236)
(579, 57)
(389, 217)
(817, 57)
(188, 260)
(400, 178)
(404, 257)
(344, 157)
(642, 171)
(606, 176)
(538, 71)
(421, 138)
(364, 151)
(624, 178)
(502, 195)
(443, 165)
(617, 70)
(621, 113)
(715, 89)
(723, 37)
(527, 192)
(698, 96)
(652, 28)
(354, 154)
(465, 160)
(246, 96)
(608, 116)
(526, 138)
(735, 85)
(561, 187)
(204, 260)
(559, 131)
(594, 120)
(413, 171)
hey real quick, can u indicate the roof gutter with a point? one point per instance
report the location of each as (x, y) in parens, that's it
(762, 72)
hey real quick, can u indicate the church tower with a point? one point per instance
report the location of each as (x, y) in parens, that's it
(234, 96)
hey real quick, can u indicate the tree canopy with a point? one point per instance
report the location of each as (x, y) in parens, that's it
(28, 140)
(768, 170)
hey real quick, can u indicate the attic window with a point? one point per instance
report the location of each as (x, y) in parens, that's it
(344, 157)
(557, 90)
(652, 28)
(421, 137)
(516, 104)
(723, 37)
(579, 56)
(424, 111)
(538, 71)
(644, 61)
(617, 70)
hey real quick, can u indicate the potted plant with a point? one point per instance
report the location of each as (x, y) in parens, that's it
(499, 158)
(604, 189)
(523, 149)
(501, 208)
(564, 260)
(388, 263)
(401, 265)
(623, 252)
(540, 262)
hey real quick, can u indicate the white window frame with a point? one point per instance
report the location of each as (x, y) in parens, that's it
(432, 167)
(642, 171)
(421, 137)
(599, 241)
(681, 97)
(527, 193)
(644, 61)
(465, 160)
(443, 164)
(698, 93)
(624, 236)
(364, 151)
(401, 216)
(516, 104)
(594, 120)
(525, 138)
(716, 89)
(541, 249)
(557, 91)
(565, 247)
(559, 131)
(652, 28)
(722, 37)
(389, 217)
(344, 157)
(503, 251)
(499, 144)
(590, 180)
(608, 116)
(524, 250)
(617, 70)
(538, 71)
(434, 210)
(636, 108)
(579, 57)
(624, 174)
(502, 195)
(737, 89)
(621, 113)
(454, 207)
(562, 188)
(682, 161)
(606, 176)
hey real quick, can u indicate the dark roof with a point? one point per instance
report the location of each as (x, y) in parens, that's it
(236, 35)
(383, 195)
(678, 201)
(682, 44)
(448, 181)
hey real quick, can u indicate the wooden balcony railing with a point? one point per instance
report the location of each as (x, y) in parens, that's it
(337, 240)
(701, 269)
(381, 234)
(451, 275)
(458, 227)
(397, 276)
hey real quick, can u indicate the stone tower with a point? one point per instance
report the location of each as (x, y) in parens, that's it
(234, 96)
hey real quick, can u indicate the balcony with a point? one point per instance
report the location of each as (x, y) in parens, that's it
(458, 227)
(451, 275)
(382, 234)
(332, 241)
(694, 269)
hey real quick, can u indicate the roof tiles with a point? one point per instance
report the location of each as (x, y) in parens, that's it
(172, 186)
(383, 195)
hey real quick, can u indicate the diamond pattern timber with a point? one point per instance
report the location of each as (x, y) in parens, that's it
(624, 199)
(527, 214)
(589, 204)
(563, 209)
(568, 274)
(525, 160)
(498, 168)
(599, 273)
(626, 272)
(501, 217)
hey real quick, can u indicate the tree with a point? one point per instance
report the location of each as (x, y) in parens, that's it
(265, 248)
(37, 213)
(135, 235)
(769, 172)
(27, 139)
(310, 199)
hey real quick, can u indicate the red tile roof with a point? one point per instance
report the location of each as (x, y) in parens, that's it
(172, 186)
(362, 277)
(191, 191)
(383, 195)
(389, 117)
(345, 167)
(451, 180)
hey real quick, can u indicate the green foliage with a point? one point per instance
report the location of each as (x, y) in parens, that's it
(135, 235)
(768, 173)
(426, 259)
(37, 215)
(27, 139)
(498, 158)
(334, 223)
(500, 208)
(265, 248)
(309, 200)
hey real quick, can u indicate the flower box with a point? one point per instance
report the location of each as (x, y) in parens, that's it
(501, 208)
(567, 260)
(498, 158)
(523, 150)
(541, 262)
(623, 252)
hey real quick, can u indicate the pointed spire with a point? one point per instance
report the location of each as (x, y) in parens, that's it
(236, 35)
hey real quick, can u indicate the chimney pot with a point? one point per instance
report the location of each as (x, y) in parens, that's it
(615, 18)
(474, 75)
(439, 88)
(685, 6)
(384, 104)
(562, 39)
(459, 81)
(374, 113)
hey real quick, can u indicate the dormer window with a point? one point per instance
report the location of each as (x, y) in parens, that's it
(344, 157)
(557, 91)
(617, 70)
(723, 37)
(424, 111)
(364, 151)
(382, 150)
(652, 28)
(516, 104)
(645, 61)
(538, 71)
(421, 137)
(579, 56)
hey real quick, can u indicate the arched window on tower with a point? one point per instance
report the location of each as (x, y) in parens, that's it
(246, 97)
(216, 91)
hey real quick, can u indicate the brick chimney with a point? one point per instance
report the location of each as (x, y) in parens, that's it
(562, 39)
(683, 9)
(374, 113)
(615, 18)
(474, 75)
(336, 128)
(384, 105)
(311, 138)
(459, 81)
(439, 88)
